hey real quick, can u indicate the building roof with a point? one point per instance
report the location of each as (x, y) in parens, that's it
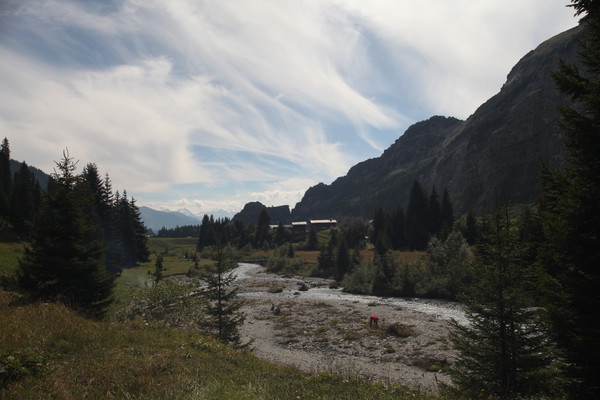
(323, 221)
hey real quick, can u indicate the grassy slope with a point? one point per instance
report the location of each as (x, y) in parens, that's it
(58, 354)
(79, 358)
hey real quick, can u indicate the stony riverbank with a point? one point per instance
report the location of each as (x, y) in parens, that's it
(324, 334)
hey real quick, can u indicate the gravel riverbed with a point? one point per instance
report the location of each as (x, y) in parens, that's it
(319, 329)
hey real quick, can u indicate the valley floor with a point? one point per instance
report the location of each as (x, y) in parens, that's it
(319, 335)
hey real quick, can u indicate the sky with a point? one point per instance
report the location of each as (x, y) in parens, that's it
(206, 104)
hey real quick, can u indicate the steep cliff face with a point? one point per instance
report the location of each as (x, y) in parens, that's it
(495, 153)
(251, 212)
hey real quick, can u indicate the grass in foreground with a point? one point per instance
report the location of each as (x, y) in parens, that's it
(48, 351)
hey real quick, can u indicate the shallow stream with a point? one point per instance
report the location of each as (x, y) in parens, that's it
(439, 309)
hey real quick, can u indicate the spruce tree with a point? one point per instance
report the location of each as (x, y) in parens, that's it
(504, 351)
(159, 269)
(142, 254)
(342, 260)
(64, 260)
(417, 217)
(571, 217)
(5, 177)
(262, 228)
(222, 307)
(22, 204)
(312, 242)
(326, 260)
(206, 237)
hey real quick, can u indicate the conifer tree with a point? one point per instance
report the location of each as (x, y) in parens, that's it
(312, 242)
(22, 203)
(262, 228)
(222, 306)
(5, 177)
(64, 259)
(417, 217)
(342, 260)
(207, 234)
(142, 254)
(159, 268)
(326, 260)
(504, 350)
(570, 214)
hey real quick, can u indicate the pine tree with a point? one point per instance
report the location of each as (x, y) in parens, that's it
(64, 259)
(207, 234)
(326, 260)
(312, 242)
(262, 228)
(159, 268)
(142, 254)
(504, 350)
(22, 204)
(5, 177)
(222, 306)
(417, 217)
(571, 217)
(342, 261)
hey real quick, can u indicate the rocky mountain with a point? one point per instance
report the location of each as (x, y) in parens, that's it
(494, 154)
(252, 210)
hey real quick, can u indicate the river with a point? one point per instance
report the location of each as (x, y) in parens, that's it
(439, 309)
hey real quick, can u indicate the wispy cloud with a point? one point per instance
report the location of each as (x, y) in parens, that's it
(178, 101)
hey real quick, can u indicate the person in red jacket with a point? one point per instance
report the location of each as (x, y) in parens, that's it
(374, 321)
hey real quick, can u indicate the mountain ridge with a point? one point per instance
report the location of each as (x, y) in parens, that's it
(494, 154)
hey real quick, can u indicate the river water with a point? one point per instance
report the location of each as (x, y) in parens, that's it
(439, 309)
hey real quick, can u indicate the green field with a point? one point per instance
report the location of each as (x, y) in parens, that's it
(10, 252)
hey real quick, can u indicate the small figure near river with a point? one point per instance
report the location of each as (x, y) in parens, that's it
(374, 320)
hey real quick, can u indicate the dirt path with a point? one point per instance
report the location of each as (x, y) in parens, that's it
(408, 347)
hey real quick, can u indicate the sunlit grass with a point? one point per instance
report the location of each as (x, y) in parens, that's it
(10, 252)
(75, 358)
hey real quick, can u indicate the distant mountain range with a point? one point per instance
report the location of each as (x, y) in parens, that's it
(155, 219)
(495, 154)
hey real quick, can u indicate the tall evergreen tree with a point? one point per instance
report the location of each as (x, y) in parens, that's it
(417, 217)
(312, 242)
(571, 217)
(5, 177)
(22, 202)
(342, 260)
(326, 260)
(159, 269)
(206, 237)
(379, 224)
(504, 350)
(64, 259)
(222, 306)
(142, 254)
(263, 228)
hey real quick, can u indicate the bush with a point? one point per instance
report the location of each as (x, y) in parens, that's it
(18, 365)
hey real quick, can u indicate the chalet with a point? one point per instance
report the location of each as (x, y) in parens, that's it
(322, 224)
